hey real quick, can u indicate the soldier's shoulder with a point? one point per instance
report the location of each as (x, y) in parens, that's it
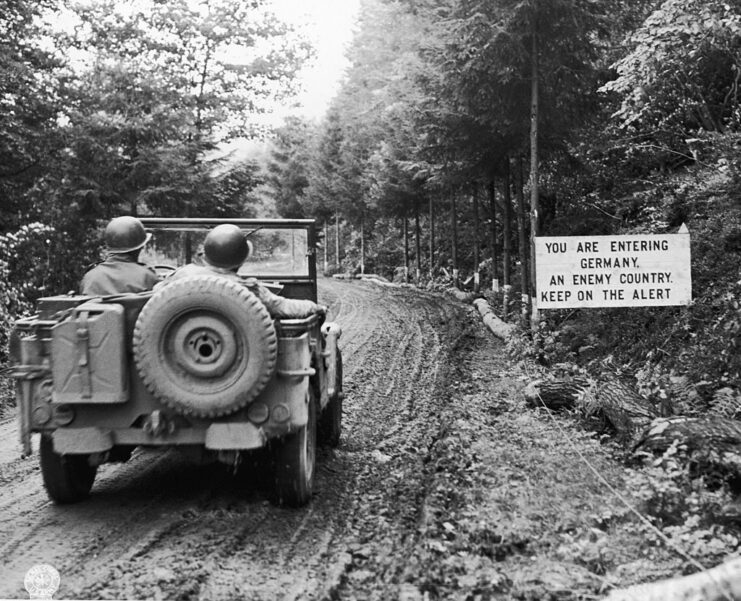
(91, 266)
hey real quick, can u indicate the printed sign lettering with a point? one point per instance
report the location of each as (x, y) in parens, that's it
(613, 271)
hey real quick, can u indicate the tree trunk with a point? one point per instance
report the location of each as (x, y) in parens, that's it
(454, 236)
(506, 242)
(188, 247)
(417, 245)
(405, 233)
(326, 245)
(493, 236)
(337, 240)
(362, 245)
(432, 237)
(534, 201)
(523, 248)
(475, 237)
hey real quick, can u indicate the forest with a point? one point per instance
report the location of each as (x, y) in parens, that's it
(461, 131)
(464, 129)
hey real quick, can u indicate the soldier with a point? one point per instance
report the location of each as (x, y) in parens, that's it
(224, 250)
(121, 271)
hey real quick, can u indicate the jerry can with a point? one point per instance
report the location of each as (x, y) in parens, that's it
(88, 356)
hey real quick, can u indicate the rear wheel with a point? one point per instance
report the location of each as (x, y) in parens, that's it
(294, 462)
(330, 421)
(67, 478)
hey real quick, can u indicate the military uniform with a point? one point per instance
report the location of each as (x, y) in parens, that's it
(277, 306)
(118, 274)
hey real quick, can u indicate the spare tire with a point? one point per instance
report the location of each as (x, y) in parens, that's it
(205, 345)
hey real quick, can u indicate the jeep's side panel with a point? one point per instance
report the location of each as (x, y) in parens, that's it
(89, 356)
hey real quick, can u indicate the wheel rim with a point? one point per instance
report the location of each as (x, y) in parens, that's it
(203, 345)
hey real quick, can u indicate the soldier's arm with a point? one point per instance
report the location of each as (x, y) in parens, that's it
(289, 308)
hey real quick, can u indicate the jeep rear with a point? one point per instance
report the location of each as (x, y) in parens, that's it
(197, 364)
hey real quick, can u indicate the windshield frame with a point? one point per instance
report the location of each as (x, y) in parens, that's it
(199, 224)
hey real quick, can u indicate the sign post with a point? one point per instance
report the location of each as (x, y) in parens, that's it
(613, 271)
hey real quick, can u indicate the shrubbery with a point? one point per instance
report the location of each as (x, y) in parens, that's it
(38, 260)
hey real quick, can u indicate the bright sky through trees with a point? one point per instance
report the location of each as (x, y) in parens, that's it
(329, 25)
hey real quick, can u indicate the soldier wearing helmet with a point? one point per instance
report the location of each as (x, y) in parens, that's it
(224, 250)
(121, 271)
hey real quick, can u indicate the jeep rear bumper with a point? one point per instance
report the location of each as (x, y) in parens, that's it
(233, 436)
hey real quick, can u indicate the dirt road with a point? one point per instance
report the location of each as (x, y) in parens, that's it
(161, 527)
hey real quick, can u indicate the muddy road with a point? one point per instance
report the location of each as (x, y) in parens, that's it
(160, 527)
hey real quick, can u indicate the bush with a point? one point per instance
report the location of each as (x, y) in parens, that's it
(680, 504)
(20, 270)
(39, 260)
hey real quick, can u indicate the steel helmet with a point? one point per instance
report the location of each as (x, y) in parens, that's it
(125, 234)
(226, 246)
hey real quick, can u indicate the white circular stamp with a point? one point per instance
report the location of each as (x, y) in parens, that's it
(41, 581)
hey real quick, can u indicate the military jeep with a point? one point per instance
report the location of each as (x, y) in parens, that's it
(197, 364)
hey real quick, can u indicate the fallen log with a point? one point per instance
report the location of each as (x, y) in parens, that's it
(721, 583)
(500, 329)
(613, 401)
(713, 444)
(557, 394)
(461, 295)
(371, 276)
(622, 407)
(692, 432)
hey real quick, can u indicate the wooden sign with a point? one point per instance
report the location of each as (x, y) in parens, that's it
(613, 271)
